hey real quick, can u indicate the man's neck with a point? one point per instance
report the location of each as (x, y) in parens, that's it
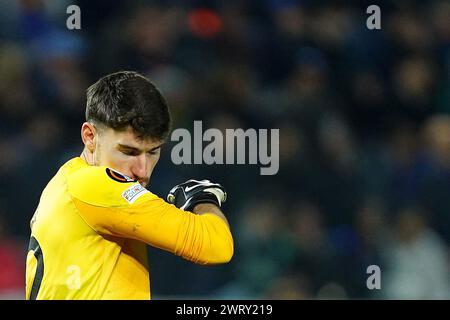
(87, 157)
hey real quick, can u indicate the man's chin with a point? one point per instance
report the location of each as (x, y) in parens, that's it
(144, 184)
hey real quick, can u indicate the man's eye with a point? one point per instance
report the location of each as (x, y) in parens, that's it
(129, 153)
(154, 152)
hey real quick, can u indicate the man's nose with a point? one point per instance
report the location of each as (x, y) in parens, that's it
(139, 168)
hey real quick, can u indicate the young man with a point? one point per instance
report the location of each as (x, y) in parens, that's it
(95, 216)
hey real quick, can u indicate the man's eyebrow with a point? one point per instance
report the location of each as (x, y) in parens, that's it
(130, 148)
(157, 147)
(124, 146)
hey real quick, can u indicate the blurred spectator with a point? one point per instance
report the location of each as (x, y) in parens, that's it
(264, 250)
(12, 270)
(436, 184)
(416, 260)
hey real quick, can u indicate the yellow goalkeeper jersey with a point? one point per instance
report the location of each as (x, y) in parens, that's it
(90, 230)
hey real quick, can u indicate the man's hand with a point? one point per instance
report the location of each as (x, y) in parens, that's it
(192, 192)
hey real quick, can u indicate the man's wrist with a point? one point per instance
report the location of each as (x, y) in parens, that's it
(203, 208)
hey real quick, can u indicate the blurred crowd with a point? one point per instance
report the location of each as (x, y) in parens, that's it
(364, 119)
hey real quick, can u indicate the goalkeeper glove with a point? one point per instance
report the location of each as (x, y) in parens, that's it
(192, 192)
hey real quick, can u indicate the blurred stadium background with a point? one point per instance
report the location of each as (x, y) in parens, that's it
(364, 134)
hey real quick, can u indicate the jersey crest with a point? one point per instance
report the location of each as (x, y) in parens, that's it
(116, 176)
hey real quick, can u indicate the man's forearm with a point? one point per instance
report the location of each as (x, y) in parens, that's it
(203, 208)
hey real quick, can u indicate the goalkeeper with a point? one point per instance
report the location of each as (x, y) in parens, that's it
(95, 217)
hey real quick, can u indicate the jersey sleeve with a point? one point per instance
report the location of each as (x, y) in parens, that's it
(126, 209)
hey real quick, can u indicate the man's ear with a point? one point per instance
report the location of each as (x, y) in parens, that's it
(88, 132)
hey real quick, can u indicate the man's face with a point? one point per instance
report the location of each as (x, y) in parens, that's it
(124, 152)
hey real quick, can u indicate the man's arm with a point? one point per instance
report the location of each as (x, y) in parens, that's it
(203, 208)
(201, 238)
(130, 211)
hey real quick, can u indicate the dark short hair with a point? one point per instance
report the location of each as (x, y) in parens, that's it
(126, 98)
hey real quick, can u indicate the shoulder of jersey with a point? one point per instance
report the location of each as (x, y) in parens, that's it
(102, 186)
